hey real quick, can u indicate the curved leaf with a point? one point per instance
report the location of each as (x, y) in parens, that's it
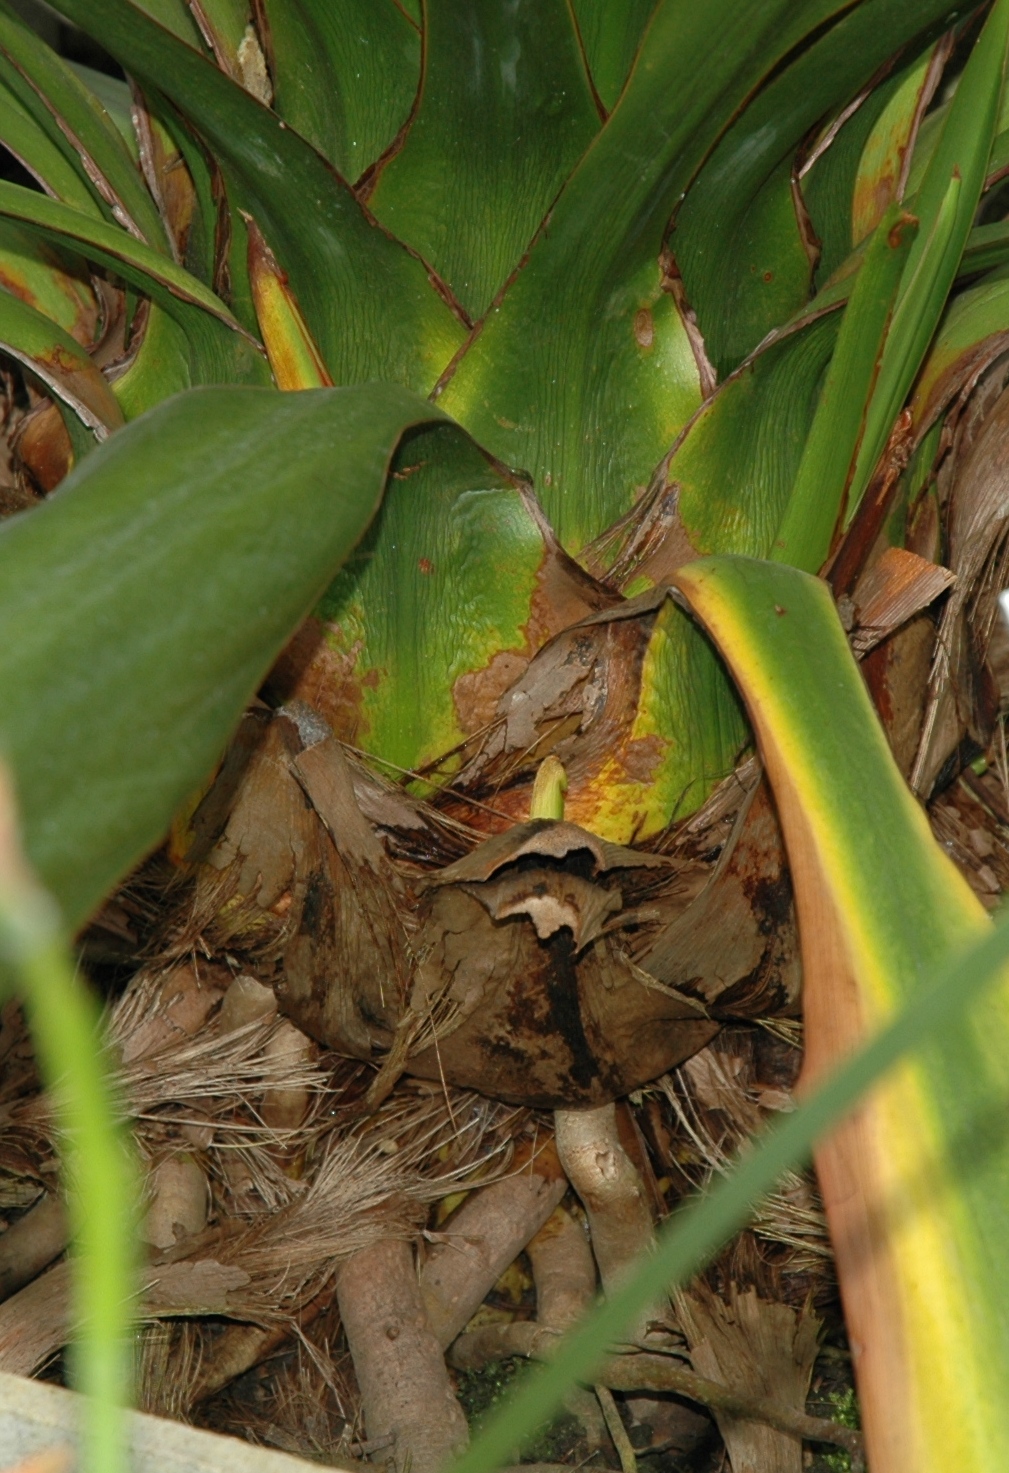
(76, 122)
(367, 302)
(945, 204)
(754, 271)
(590, 410)
(916, 1184)
(141, 605)
(973, 332)
(31, 146)
(371, 58)
(885, 159)
(455, 587)
(60, 362)
(218, 348)
(55, 283)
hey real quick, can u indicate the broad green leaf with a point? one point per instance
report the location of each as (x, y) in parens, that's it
(367, 302)
(32, 146)
(945, 205)
(60, 362)
(590, 410)
(817, 497)
(916, 1186)
(446, 583)
(611, 32)
(754, 271)
(691, 1238)
(219, 351)
(76, 122)
(100, 1182)
(724, 489)
(736, 466)
(55, 283)
(828, 184)
(141, 605)
(502, 137)
(305, 88)
(373, 50)
(884, 156)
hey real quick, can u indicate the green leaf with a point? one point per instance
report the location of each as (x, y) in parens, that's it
(32, 146)
(175, 16)
(370, 50)
(916, 1187)
(446, 582)
(724, 489)
(827, 464)
(306, 91)
(611, 32)
(828, 184)
(54, 282)
(60, 362)
(502, 137)
(945, 204)
(736, 466)
(115, 98)
(76, 123)
(367, 301)
(100, 1183)
(141, 605)
(160, 366)
(590, 410)
(684, 737)
(987, 247)
(219, 351)
(884, 156)
(754, 270)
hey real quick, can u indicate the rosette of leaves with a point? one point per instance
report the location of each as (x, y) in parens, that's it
(580, 293)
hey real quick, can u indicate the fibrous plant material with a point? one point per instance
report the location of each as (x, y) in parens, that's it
(398, 1361)
(761, 1349)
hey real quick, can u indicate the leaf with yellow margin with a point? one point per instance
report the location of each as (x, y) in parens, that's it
(915, 1183)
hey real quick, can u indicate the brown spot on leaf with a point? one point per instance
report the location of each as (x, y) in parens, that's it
(644, 328)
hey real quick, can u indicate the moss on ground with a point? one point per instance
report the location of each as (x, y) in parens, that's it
(480, 1392)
